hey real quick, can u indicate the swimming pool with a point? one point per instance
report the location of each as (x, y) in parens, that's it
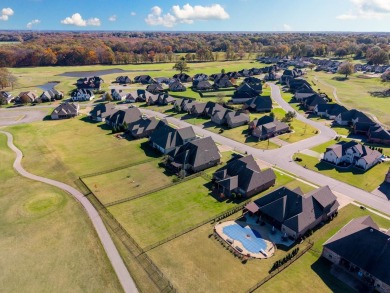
(250, 239)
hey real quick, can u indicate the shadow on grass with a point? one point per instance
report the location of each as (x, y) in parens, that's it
(149, 151)
(385, 189)
(340, 78)
(322, 268)
(324, 166)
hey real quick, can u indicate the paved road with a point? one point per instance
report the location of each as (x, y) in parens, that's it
(105, 238)
(282, 157)
(15, 116)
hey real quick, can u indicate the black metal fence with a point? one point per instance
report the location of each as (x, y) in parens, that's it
(281, 268)
(152, 190)
(118, 168)
(154, 273)
(210, 220)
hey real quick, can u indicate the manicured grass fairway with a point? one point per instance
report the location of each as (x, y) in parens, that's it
(47, 243)
(368, 180)
(161, 214)
(354, 93)
(66, 149)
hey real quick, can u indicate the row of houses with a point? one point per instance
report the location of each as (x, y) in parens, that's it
(352, 153)
(216, 112)
(319, 104)
(30, 97)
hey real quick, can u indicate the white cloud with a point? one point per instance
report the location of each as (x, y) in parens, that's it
(33, 22)
(287, 27)
(6, 13)
(133, 13)
(367, 9)
(156, 18)
(77, 20)
(112, 18)
(187, 14)
(190, 13)
(94, 21)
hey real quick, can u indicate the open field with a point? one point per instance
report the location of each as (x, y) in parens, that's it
(354, 93)
(47, 243)
(163, 213)
(310, 274)
(368, 180)
(71, 148)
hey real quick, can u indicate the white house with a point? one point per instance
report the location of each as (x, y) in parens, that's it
(82, 95)
(352, 153)
(118, 95)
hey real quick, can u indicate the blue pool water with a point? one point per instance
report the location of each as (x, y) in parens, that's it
(254, 243)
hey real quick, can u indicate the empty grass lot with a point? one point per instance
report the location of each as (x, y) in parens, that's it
(47, 242)
(128, 182)
(169, 211)
(311, 274)
(368, 180)
(67, 149)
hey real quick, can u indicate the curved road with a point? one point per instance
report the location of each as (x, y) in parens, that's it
(282, 157)
(105, 238)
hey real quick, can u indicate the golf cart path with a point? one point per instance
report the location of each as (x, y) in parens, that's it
(105, 238)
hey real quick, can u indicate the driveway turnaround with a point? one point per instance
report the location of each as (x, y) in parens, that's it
(112, 253)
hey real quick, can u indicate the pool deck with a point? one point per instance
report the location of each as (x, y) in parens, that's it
(239, 247)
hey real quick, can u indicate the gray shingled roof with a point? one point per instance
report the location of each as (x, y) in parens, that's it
(363, 244)
(295, 211)
(169, 137)
(196, 153)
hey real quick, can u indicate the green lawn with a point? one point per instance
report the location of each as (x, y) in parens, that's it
(311, 274)
(128, 182)
(368, 180)
(354, 93)
(322, 147)
(47, 242)
(161, 214)
(194, 262)
(71, 148)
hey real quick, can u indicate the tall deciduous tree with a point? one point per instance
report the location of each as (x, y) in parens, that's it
(181, 66)
(346, 68)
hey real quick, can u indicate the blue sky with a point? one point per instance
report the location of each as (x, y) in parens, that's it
(199, 15)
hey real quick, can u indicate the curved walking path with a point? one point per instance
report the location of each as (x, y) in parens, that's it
(336, 97)
(105, 238)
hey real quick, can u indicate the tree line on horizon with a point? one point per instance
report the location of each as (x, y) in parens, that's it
(89, 48)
